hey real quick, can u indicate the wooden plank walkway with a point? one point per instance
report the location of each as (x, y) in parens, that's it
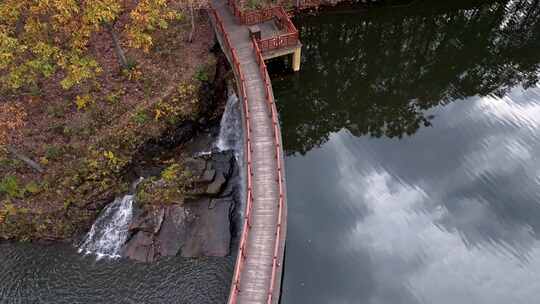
(256, 273)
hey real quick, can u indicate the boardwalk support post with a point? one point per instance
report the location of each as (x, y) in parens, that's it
(296, 59)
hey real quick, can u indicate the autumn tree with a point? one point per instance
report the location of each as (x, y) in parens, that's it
(146, 17)
(39, 38)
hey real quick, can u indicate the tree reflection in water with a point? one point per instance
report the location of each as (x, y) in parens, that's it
(385, 67)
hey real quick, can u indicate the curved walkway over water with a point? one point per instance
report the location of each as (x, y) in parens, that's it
(257, 277)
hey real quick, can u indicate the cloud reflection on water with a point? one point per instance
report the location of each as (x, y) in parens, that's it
(448, 215)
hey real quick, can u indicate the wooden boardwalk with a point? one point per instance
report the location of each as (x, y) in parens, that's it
(256, 278)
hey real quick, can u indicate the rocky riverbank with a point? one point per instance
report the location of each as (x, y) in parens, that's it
(90, 153)
(195, 223)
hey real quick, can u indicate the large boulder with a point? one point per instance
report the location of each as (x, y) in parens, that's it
(201, 226)
(140, 247)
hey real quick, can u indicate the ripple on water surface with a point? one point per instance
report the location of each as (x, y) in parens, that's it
(413, 163)
(58, 274)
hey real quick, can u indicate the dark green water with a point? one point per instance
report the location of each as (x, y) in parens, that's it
(413, 167)
(58, 274)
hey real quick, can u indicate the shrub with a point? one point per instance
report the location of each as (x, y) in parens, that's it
(170, 188)
(82, 101)
(171, 173)
(181, 105)
(140, 117)
(57, 111)
(114, 97)
(10, 187)
(201, 74)
(53, 152)
(32, 187)
(131, 64)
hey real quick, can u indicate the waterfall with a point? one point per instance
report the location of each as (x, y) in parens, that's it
(230, 135)
(110, 230)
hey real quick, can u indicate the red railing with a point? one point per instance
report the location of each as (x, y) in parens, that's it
(254, 17)
(250, 17)
(246, 226)
(279, 166)
(273, 43)
(246, 223)
(288, 39)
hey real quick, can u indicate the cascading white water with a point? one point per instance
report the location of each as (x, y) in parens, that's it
(110, 230)
(230, 135)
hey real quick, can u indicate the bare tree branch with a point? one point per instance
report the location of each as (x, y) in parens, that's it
(32, 164)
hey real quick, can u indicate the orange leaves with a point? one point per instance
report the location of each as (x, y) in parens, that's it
(12, 118)
(10, 11)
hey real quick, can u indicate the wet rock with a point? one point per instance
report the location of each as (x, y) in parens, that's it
(224, 162)
(140, 247)
(174, 230)
(216, 185)
(199, 227)
(196, 165)
(142, 224)
(210, 235)
(208, 175)
(148, 222)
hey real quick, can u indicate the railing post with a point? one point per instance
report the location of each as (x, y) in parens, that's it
(259, 46)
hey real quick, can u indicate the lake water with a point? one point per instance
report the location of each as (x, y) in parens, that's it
(58, 274)
(413, 167)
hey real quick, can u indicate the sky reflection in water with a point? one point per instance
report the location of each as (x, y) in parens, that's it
(449, 215)
(414, 190)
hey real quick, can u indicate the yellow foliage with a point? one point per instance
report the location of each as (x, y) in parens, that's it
(180, 105)
(78, 70)
(82, 101)
(158, 114)
(98, 12)
(112, 159)
(171, 173)
(134, 74)
(109, 155)
(10, 209)
(148, 16)
(10, 11)
(44, 160)
(55, 34)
